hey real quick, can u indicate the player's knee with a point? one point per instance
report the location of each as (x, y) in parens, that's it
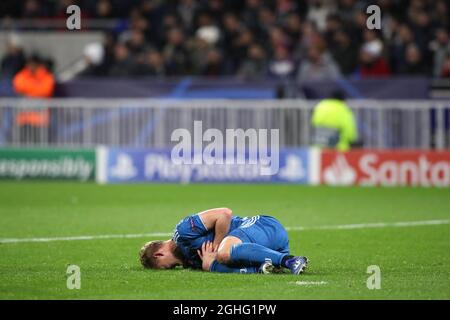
(223, 256)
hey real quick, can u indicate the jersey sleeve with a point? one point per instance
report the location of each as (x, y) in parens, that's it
(189, 228)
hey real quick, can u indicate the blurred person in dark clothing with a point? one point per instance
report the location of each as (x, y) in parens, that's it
(14, 59)
(186, 9)
(123, 65)
(344, 52)
(293, 27)
(151, 63)
(215, 9)
(250, 13)
(445, 71)
(440, 47)
(278, 38)
(255, 65)
(136, 42)
(333, 25)
(414, 64)
(403, 37)
(232, 29)
(176, 54)
(266, 19)
(348, 8)
(240, 47)
(421, 27)
(213, 65)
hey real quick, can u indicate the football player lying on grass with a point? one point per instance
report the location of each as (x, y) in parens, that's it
(215, 240)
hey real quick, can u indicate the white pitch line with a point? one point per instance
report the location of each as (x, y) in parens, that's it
(165, 234)
(372, 225)
(309, 283)
(96, 237)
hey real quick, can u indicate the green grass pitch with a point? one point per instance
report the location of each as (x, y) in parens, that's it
(414, 260)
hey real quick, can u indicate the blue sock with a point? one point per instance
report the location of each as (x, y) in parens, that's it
(251, 253)
(218, 267)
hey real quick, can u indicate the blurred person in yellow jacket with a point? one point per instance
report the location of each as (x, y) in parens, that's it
(334, 124)
(33, 81)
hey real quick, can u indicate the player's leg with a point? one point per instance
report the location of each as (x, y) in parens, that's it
(233, 250)
(223, 268)
(224, 248)
(263, 239)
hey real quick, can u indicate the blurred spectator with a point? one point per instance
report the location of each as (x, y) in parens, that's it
(403, 37)
(186, 33)
(441, 48)
(123, 64)
(239, 47)
(278, 38)
(254, 66)
(282, 66)
(151, 64)
(33, 81)
(414, 64)
(344, 52)
(293, 27)
(104, 10)
(186, 10)
(32, 9)
(348, 8)
(445, 71)
(372, 61)
(13, 60)
(136, 43)
(251, 13)
(176, 54)
(318, 66)
(213, 65)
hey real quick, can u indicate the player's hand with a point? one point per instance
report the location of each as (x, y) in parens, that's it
(208, 254)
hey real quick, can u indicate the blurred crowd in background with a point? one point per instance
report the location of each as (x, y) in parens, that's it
(309, 39)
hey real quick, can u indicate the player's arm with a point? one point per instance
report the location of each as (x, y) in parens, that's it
(219, 220)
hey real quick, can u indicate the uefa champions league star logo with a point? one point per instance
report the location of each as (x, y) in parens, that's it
(340, 173)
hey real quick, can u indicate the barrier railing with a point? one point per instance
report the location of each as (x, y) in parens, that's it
(82, 122)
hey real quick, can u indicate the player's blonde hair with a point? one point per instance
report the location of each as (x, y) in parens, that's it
(146, 254)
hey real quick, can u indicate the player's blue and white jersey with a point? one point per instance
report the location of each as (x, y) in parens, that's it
(190, 233)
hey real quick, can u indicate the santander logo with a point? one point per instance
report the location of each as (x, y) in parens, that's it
(386, 168)
(340, 173)
(416, 172)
